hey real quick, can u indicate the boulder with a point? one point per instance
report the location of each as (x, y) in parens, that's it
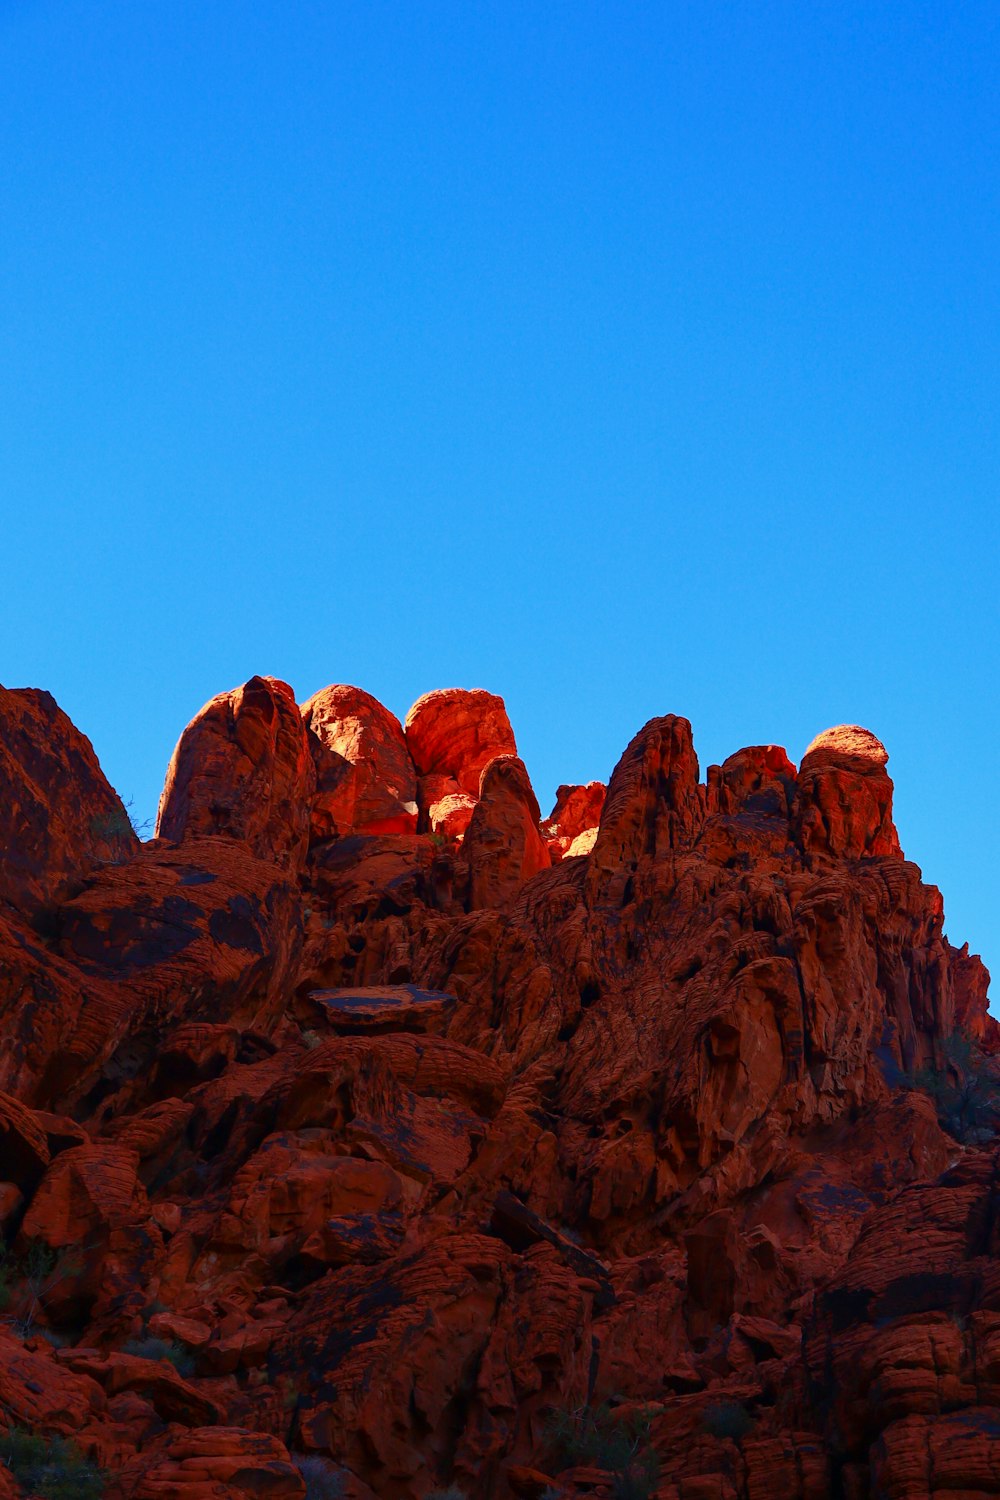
(365, 780)
(456, 732)
(450, 816)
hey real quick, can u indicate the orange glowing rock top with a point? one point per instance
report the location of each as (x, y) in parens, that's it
(456, 732)
(848, 741)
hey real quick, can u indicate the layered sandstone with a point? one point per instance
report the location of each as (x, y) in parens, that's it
(362, 1129)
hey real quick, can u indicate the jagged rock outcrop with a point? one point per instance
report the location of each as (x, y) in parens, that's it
(654, 805)
(363, 1130)
(905, 1338)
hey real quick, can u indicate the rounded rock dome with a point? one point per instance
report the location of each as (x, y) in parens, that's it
(850, 741)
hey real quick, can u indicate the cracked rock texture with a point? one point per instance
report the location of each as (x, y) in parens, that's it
(361, 1122)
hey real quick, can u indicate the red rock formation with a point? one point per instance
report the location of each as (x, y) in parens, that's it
(654, 804)
(503, 845)
(844, 804)
(365, 781)
(242, 768)
(577, 808)
(758, 779)
(337, 1154)
(449, 816)
(456, 732)
(59, 818)
(575, 816)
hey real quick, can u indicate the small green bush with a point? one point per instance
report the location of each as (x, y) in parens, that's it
(38, 1263)
(51, 1467)
(965, 1092)
(120, 824)
(150, 1348)
(598, 1437)
(30, 1276)
(727, 1419)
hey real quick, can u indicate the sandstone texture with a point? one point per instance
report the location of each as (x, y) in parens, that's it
(365, 1134)
(366, 781)
(571, 827)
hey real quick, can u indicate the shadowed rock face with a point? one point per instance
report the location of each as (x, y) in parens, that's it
(503, 845)
(59, 818)
(397, 1142)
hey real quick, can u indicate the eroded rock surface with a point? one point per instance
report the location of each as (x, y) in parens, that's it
(242, 769)
(362, 1130)
(365, 779)
(59, 818)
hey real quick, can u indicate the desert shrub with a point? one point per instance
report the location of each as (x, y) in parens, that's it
(51, 1467)
(150, 1348)
(727, 1419)
(111, 826)
(41, 1268)
(600, 1438)
(321, 1482)
(25, 1279)
(965, 1092)
(118, 826)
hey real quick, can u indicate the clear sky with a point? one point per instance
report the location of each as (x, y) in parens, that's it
(621, 358)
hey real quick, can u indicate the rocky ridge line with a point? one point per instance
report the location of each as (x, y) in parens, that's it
(363, 1129)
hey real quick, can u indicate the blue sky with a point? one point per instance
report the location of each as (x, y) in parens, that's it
(621, 359)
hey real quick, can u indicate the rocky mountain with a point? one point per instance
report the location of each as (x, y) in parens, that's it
(364, 1133)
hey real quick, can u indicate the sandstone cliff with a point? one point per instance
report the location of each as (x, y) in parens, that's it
(365, 1133)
